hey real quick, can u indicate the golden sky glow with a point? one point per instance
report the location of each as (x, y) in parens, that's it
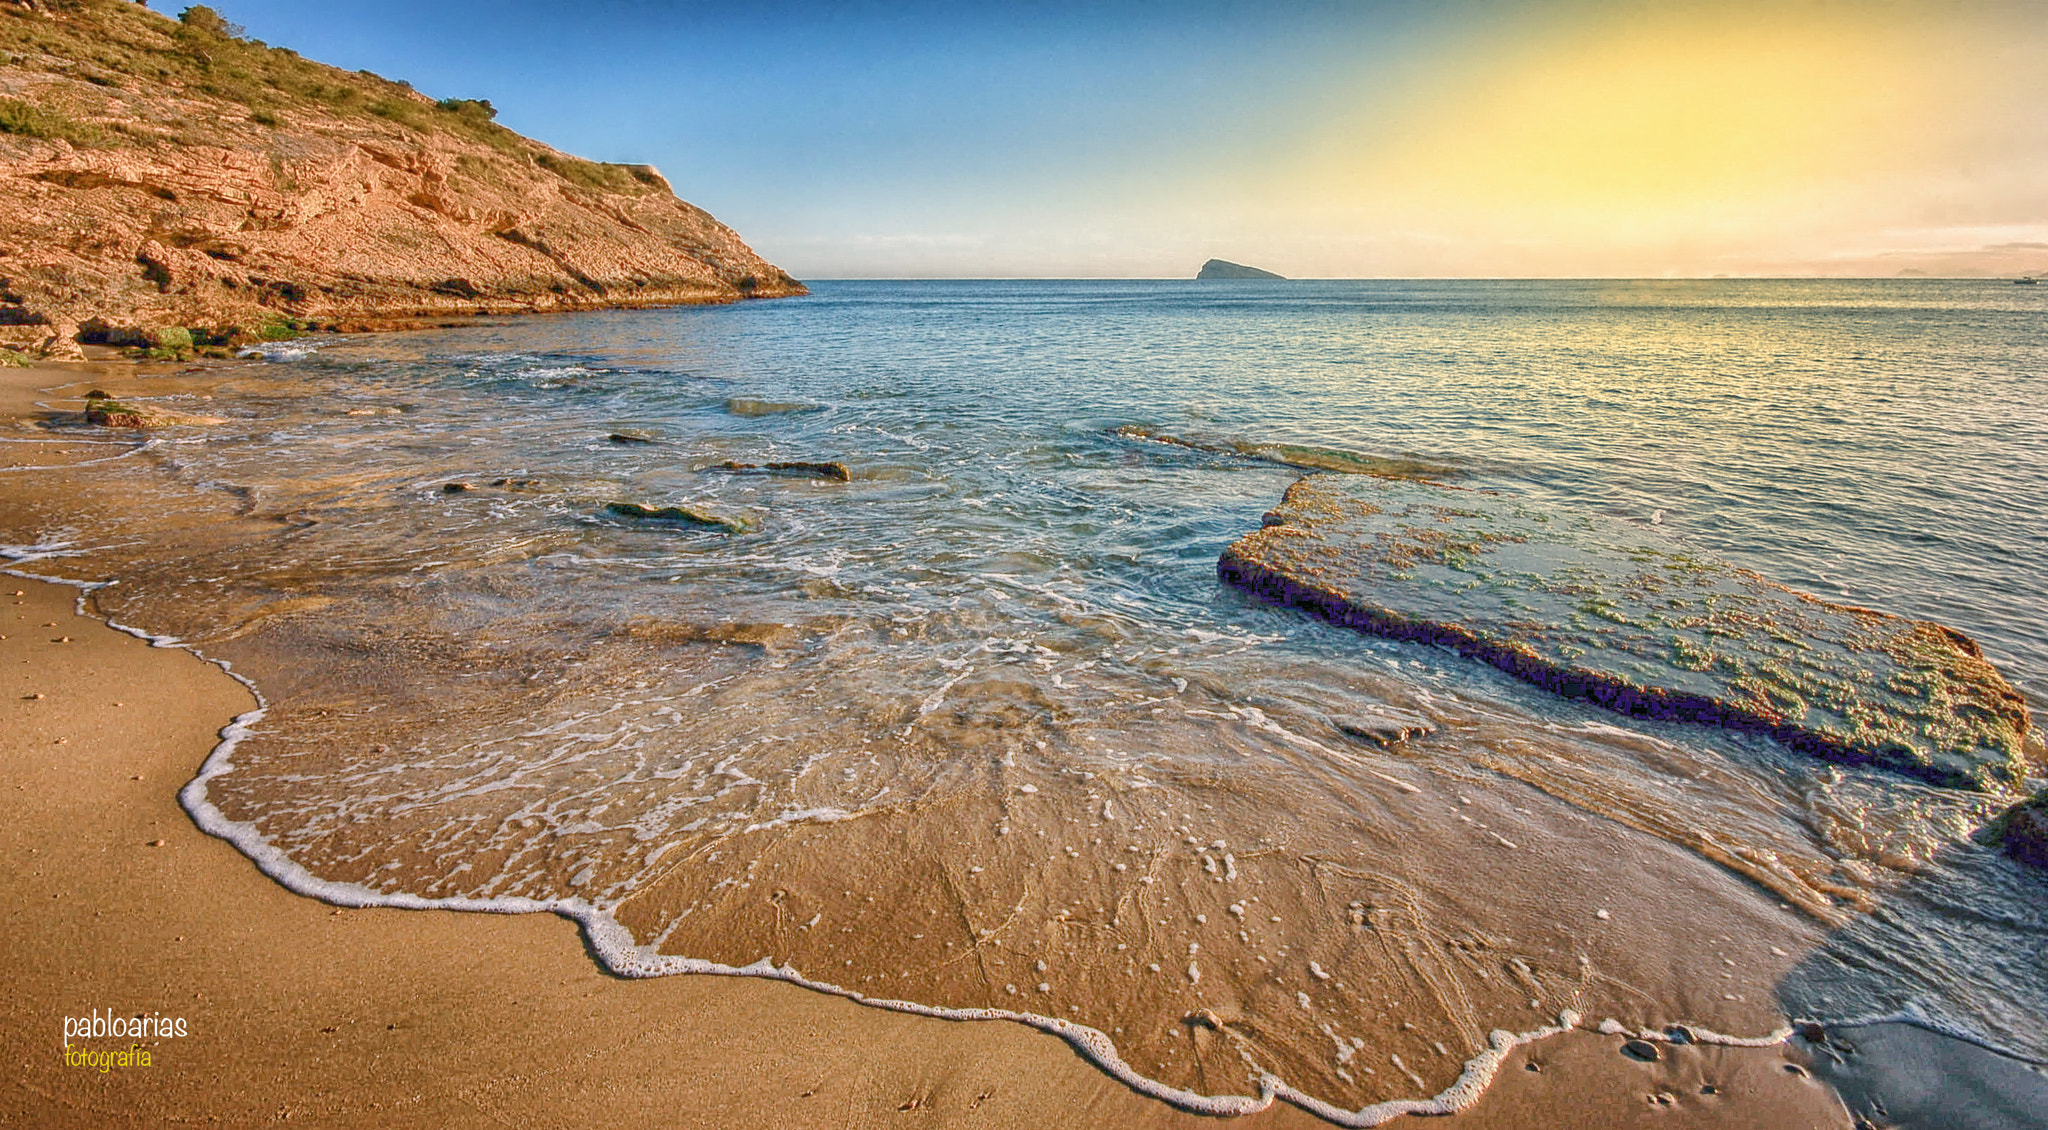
(1647, 118)
(1682, 139)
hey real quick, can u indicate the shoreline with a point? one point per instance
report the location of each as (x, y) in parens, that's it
(264, 964)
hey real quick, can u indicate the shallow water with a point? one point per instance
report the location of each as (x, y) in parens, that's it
(979, 727)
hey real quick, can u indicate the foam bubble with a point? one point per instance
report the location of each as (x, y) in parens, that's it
(282, 352)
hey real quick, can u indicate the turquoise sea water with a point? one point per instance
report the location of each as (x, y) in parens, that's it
(986, 716)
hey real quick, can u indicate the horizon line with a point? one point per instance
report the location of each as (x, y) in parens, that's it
(1425, 278)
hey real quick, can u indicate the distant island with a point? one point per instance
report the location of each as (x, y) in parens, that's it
(1224, 269)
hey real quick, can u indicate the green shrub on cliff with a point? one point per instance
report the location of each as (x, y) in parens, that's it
(469, 107)
(18, 117)
(106, 43)
(200, 20)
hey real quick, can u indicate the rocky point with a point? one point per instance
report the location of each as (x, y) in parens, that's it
(173, 185)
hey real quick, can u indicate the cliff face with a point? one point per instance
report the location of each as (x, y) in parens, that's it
(158, 173)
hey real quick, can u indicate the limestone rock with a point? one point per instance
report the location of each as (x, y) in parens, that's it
(736, 524)
(106, 412)
(1601, 610)
(165, 176)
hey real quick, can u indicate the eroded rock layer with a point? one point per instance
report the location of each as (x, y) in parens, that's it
(157, 174)
(1605, 611)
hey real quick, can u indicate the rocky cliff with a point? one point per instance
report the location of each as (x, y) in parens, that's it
(169, 180)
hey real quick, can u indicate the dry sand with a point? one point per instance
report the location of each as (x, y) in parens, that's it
(297, 1010)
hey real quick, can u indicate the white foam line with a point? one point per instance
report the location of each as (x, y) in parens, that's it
(1694, 1034)
(1912, 1015)
(143, 446)
(614, 948)
(69, 442)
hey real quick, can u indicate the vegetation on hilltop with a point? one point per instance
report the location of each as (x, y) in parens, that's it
(177, 187)
(71, 59)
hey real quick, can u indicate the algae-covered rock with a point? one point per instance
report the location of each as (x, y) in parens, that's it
(1301, 456)
(107, 412)
(1601, 610)
(834, 471)
(740, 406)
(733, 523)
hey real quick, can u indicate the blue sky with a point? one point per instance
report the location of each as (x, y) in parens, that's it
(1054, 139)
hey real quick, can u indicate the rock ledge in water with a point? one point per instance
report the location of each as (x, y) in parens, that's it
(1300, 456)
(834, 471)
(1604, 611)
(683, 514)
(741, 406)
(106, 412)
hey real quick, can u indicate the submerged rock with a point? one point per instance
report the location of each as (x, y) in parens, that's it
(733, 523)
(1297, 455)
(2026, 831)
(1600, 610)
(1642, 1051)
(107, 412)
(1225, 269)
(1383, 727)
(740, 406)
(835, 471)
(630, 437)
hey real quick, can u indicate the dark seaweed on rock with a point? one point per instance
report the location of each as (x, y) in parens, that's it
(1594, 609)
(1301, 456)
(104, 411)
(834, 471)
(2024, 831)
(682, 514)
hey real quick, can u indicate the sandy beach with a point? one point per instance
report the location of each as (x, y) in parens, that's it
(296, 1010)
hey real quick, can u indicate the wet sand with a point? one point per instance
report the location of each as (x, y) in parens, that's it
(386, 1017)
